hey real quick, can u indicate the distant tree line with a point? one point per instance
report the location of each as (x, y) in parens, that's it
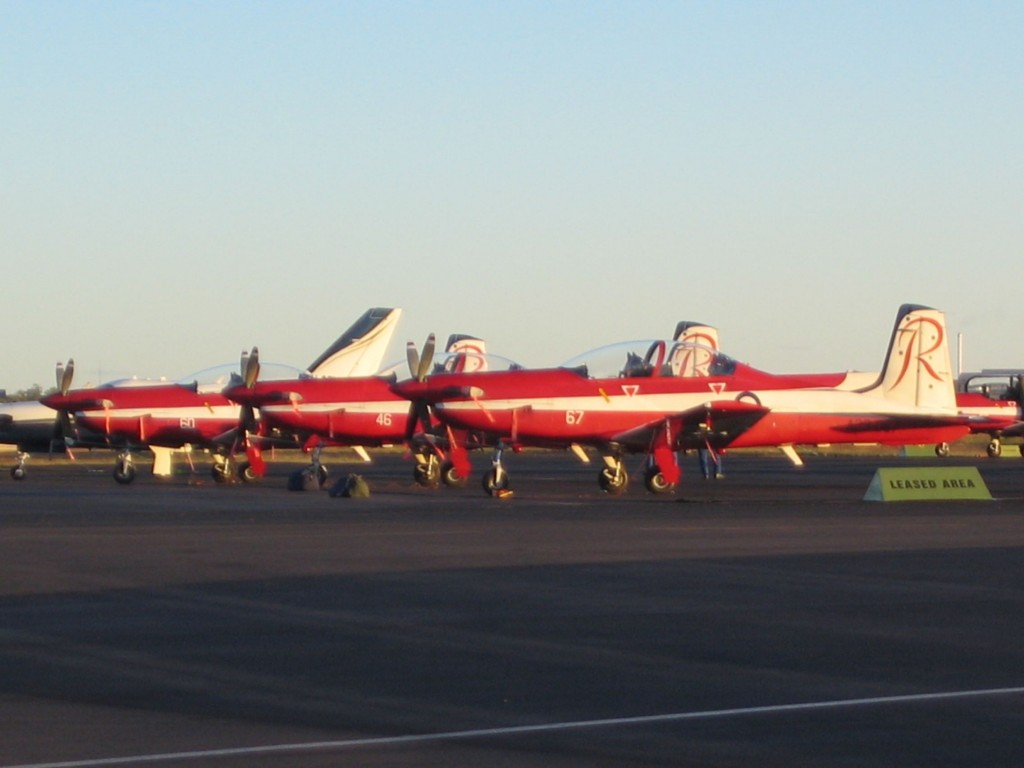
(32, 393)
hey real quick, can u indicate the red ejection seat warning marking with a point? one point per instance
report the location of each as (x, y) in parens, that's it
(926, 484)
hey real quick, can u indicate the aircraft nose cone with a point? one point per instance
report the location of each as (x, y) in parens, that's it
(53, 401)
(239, 394)
(410, 389)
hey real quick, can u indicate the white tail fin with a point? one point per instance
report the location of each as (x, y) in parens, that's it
(917, 369)
(359, 350)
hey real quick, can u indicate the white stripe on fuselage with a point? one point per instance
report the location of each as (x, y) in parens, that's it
(812, 401)
(382, 406)
(213, 412)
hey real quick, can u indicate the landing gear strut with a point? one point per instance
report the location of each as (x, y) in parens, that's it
(124, 468)
(496, 479)
(220, 471)
(18, 470)
(316, 467)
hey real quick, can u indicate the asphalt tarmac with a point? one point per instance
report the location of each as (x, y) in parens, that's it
(772, 618)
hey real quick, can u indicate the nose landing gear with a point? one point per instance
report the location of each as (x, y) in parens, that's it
(18, 471)
(124, 468)
(613, 477)
(496, 480)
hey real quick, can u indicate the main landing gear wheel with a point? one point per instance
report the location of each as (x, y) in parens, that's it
(994, 449)
(18, 473)
(613, 480)
(450, 477)
(494, 480)
(942, 450)
(656, 482)
(246, 473)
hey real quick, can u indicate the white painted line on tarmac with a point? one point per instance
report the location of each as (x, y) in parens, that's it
(515, 730)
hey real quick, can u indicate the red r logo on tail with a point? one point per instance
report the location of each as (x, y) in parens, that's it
(911, 333)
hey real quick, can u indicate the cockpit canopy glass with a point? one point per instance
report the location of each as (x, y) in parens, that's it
(650, 357)
(457, 362)
(219, 377)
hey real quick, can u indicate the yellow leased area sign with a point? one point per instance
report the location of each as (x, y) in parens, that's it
(926, 483)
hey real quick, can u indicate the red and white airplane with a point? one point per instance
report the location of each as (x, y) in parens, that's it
(364, 411)
(993, 398)
(654, 404)
(194, 413)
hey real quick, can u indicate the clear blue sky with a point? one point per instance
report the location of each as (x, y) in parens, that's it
(181, 180)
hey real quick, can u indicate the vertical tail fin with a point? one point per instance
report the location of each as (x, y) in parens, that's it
(360, 350)
(917, 369)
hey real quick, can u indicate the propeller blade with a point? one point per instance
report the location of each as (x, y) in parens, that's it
(424, 416)
(427, 360)
(419, 368)
(247, 418)
(65, 374)
(413, 357)
(251, 367)
(63, 427)
(417, 420)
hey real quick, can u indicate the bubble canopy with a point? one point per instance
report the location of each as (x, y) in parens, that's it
(219, 377)
(646, 357)
(456, 362)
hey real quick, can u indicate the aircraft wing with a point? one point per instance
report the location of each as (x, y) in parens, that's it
(227, 437)
(1014, 430)
(716, 423)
